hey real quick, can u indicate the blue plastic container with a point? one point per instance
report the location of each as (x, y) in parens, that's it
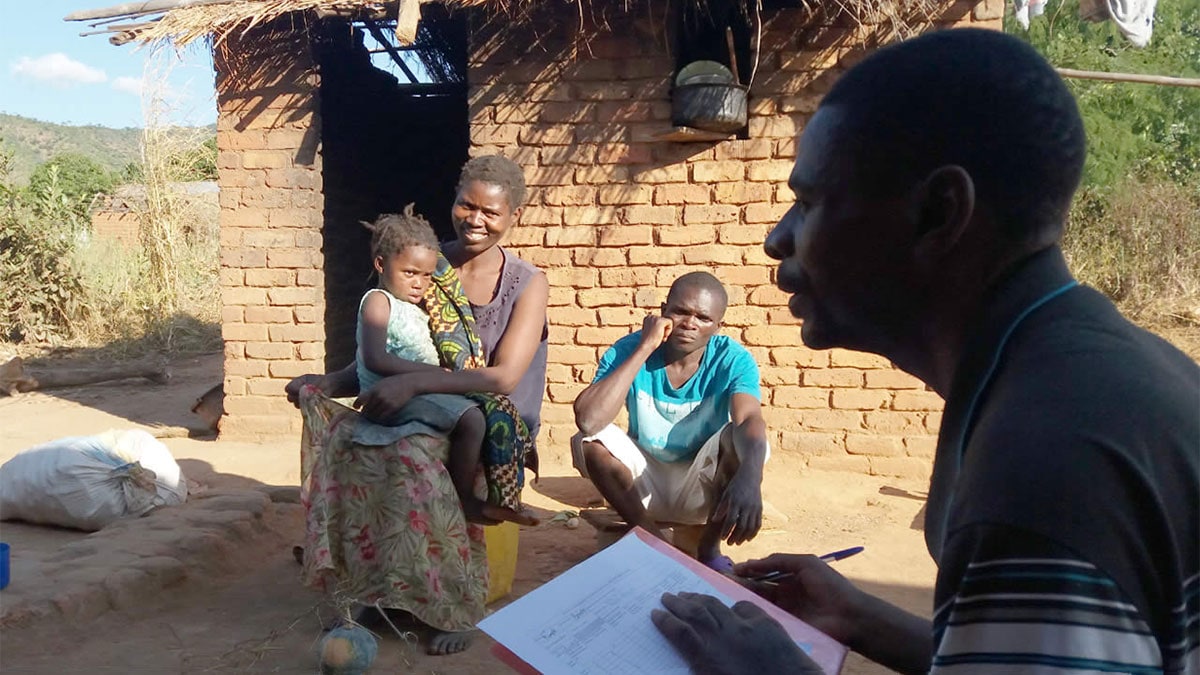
(3, 565)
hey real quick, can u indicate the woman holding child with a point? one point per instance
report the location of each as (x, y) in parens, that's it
(385, 522)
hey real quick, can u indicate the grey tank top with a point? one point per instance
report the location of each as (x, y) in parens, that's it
(492, 320)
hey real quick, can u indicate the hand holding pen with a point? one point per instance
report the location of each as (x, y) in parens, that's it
(807, 587)
(776, 576)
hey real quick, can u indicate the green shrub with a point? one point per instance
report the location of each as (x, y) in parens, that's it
(41, 290)
(1134, 230)
(1133, 129)
(74, 179)
(59, 285)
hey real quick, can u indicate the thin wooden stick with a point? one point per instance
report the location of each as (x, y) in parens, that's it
(122, 38)
(126, 17)
(135, 8)
(119, 28)
(1129, 77)
(737, 78)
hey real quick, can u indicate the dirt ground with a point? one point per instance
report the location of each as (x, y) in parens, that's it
(249, 614)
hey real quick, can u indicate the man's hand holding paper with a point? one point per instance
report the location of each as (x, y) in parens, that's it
(720, 640)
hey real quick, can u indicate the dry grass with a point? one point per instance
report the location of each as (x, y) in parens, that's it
(163, 295)
(120, 315)
(904, 18)
(1140, 245)
(127, 317)
(189, 24)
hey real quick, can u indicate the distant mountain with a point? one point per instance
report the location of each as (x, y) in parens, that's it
(33, 142)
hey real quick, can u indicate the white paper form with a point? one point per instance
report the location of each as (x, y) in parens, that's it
(594, 619)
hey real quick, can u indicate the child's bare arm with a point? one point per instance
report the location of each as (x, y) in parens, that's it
(376, 313)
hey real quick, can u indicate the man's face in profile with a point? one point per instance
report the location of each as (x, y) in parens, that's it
(842, 246)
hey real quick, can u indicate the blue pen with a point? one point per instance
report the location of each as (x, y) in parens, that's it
(776, 577)
(842, 554)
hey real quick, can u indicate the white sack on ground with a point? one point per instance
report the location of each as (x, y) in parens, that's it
(87, 482)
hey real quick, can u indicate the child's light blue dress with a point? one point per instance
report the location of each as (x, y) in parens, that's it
(408, 337)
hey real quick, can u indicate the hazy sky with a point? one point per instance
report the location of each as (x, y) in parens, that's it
(50, 73)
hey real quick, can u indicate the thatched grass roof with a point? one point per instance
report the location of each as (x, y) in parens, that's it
(187, 24)
(184, 21)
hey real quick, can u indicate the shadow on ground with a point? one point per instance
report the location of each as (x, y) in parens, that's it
(203, 473)
(918, 521)
(165, 409)
(575, 491)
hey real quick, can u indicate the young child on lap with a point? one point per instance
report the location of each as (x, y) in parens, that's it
(395, 338)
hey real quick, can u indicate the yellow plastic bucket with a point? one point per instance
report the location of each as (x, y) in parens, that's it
(501, 542)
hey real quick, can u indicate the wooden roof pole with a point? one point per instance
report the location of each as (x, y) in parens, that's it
(118, 29)
(1129, 77)
(135, 8)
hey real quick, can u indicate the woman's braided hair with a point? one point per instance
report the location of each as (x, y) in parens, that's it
(391, 233)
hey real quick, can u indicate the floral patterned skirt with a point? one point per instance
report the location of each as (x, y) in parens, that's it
(384, 524)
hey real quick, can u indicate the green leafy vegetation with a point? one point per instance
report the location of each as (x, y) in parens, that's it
(1134, 231)
(63, 286)
(37, 236)
(72, 179)
(1142, 129)
(196, 163)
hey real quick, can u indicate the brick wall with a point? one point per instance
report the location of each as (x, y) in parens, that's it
(272, 288)
(615, 216)
(122, 227)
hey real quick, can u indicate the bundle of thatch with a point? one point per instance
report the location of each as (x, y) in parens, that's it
(184, 21)
(188, 23)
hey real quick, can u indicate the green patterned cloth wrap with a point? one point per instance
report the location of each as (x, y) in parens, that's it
(507, 446)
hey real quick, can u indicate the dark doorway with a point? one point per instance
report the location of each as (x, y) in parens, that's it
(388, 140)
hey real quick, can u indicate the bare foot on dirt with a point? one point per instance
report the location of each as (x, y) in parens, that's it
(479, 511)
(442, 643)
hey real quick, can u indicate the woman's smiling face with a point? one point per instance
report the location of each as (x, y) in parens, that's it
(481, 215)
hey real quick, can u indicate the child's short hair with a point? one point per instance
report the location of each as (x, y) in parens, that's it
(391, 233)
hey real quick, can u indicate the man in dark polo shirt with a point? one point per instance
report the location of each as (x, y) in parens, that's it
(932, 186)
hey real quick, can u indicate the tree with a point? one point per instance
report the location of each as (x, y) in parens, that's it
(42, 289)
(1133, 130)
(1133, 231)
(76, 177)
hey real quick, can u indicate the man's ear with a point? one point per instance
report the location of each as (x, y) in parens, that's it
(945, 204)
(379, 264)
(516, 214)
